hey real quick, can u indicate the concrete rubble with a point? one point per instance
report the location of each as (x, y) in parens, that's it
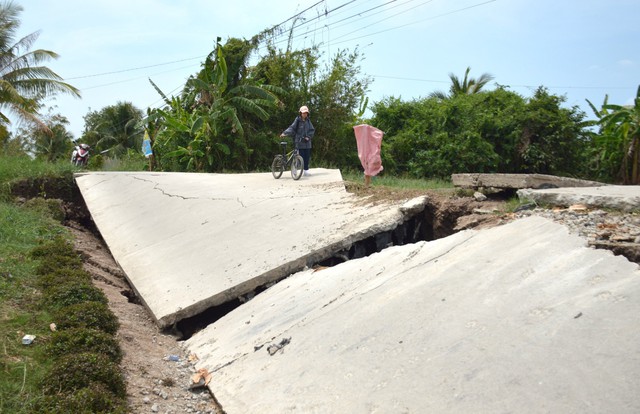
(617, 197)
(517, 181)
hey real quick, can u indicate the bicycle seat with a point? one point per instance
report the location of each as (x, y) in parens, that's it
(283, 143)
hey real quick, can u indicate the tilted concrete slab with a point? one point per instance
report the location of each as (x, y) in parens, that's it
(617, 197)
(188, 242)
(518, 318)
(515, 181)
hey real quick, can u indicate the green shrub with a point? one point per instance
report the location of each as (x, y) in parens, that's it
(94, 399)
(70, 293)
(96, 162)
(75, 372)
(56, 247)
(91, 315)
(51, 207)
(61, 276)
(79, 340)
(51, 263)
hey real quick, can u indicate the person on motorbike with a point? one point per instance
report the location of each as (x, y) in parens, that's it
(80, 154)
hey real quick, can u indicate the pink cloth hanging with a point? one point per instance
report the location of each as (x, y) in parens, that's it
(369, 140)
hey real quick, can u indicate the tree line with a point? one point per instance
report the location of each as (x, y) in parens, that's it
(229, 114)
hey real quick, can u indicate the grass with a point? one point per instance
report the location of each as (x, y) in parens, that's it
(24, 167)
(26, 307)
(399, 182)
(22, 367)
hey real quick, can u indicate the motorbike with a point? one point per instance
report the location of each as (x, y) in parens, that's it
(80, 155)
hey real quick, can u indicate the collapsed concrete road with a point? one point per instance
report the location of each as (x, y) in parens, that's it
(517, 318)
(190, 242)
(520, 317)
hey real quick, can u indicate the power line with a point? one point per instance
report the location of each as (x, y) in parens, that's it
(132, 69)
(408, 79)
(386, 18)
(373, 8)
(325, 14)
(298, 14)
(355, 17)
(132, 79)
(359, 14)
(415, 22)
(307, 22)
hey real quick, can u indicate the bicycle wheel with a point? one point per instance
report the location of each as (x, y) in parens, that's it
(277, 166)
(297, 164)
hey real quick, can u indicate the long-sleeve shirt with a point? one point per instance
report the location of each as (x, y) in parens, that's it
(299, 130)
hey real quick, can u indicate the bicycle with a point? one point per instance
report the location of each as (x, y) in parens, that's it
(283, 160)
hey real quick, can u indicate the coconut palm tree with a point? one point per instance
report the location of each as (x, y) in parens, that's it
(56, 144)
(24, 82)
(467, 86)
(115, 128)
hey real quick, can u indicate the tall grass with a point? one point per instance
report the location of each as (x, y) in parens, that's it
(399, 182)
(13, 169)
(24, 167)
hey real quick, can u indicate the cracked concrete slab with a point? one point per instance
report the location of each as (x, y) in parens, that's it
(493, 180)
(617, 197)
(188, 242)
(520, 317)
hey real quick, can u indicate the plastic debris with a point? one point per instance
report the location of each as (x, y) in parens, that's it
(200, 379)
(28, 339)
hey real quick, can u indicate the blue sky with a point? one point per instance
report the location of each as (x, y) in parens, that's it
(109, 49)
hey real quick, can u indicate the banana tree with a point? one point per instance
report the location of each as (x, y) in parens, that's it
(211, 113)
(182, 138)
(224, 101)
(620, 138)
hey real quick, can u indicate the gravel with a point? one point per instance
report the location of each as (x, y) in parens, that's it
(596, 226)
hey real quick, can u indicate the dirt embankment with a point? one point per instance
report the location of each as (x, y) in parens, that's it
(156, 381)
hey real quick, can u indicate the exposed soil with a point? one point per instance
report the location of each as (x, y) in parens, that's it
(155, 382)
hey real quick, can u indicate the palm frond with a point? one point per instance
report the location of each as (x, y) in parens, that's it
(249, 106)
(164, 97)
